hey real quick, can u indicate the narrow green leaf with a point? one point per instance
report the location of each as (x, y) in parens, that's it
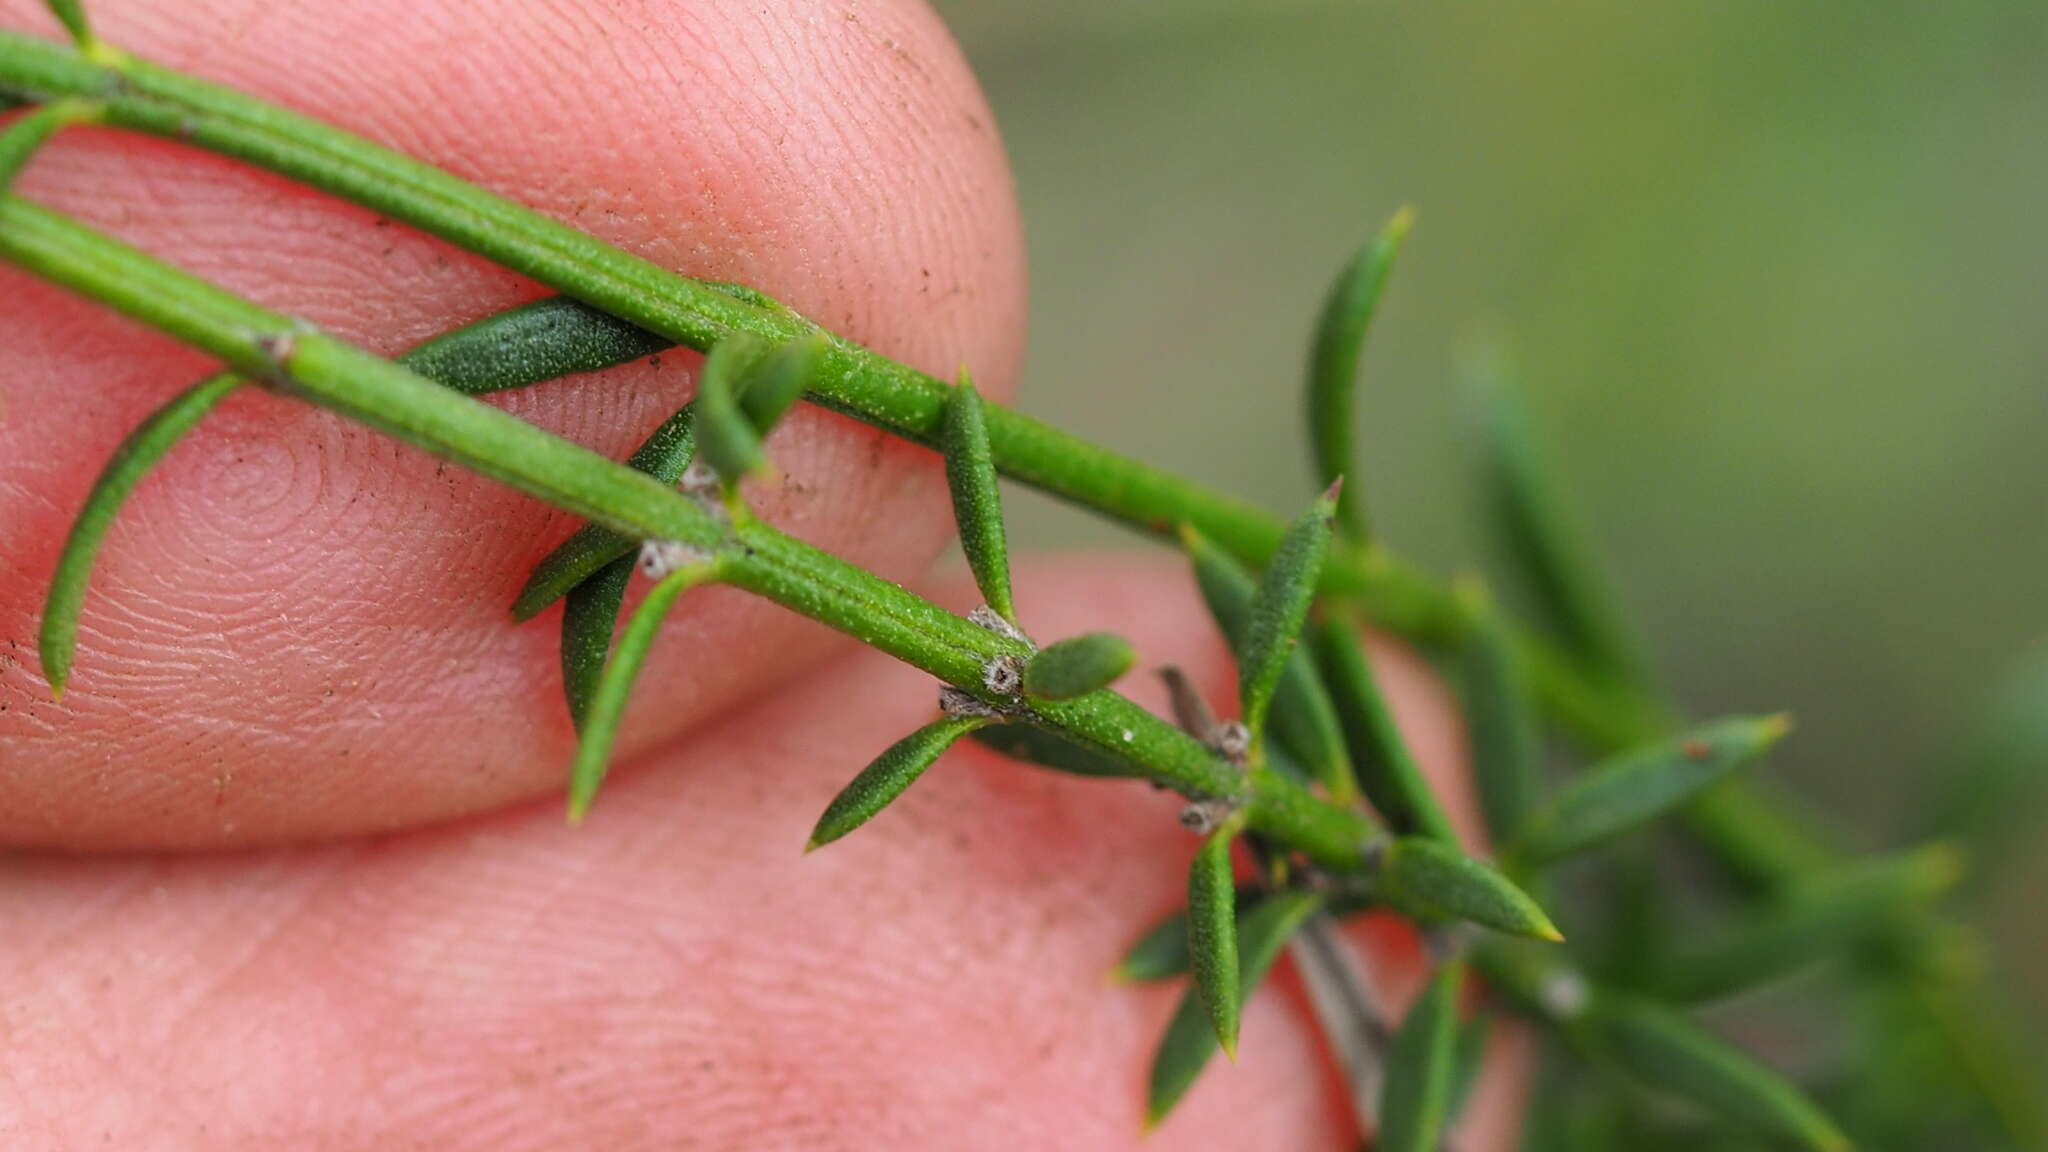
(1212, 932)
(779, 381)
(1548, 547)
(1640, 785)
(1994, 800)
(547, 339)
(1162, 952)
(1386, 771)
(608, 703)
(1990, 1042)
(1281, 606)
(977, 502)
(1662, 1050)
(725, 435)
(1638, 927)
(1415, 1097)
(894, 771)
(511, 349)
(1832, 914)
(1035, 745)
(21, 139)
(1190, 1039)
(71, 14)
(1333, 363)
(1756, 841)
(1548, 1119)
(1467, 1062)
(1304, 720)
(590, 611)
(764, 392)
(1429, 879)
(1077, 666)
(1507, 752)
(665, 455)
(590, 614)
(130, 463)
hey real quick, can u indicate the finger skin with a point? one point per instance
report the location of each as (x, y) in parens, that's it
(299, 629)
(677, 973)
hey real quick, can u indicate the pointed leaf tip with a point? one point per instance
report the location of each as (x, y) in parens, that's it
(1190, 1039)
(1278, 611)
(71, 14)
(1641, 785)
(1334, 355)
(977, 499)
(607, 705)
(1303, 719)
(1212, 931)
(1077, 666)
(1774, 728)
(779, 381)
(725, 433)
(579, 805)
(1432, 880)
(64, 603)
(889, 776)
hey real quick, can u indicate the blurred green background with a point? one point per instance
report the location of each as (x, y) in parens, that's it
(1777, 273)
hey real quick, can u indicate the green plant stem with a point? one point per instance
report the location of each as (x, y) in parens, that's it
(137, 95)
(1751, 835)
(263, 345)
(144, 97)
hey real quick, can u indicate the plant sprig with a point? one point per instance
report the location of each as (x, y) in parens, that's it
(1292, 803)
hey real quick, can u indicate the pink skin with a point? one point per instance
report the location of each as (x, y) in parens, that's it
(298, 633)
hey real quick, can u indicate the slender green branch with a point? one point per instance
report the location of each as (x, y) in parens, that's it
(148, 98)
(135, 94)
(1592, 685)
(266, 346)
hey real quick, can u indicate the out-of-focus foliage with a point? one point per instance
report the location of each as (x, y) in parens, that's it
(1774, 273)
